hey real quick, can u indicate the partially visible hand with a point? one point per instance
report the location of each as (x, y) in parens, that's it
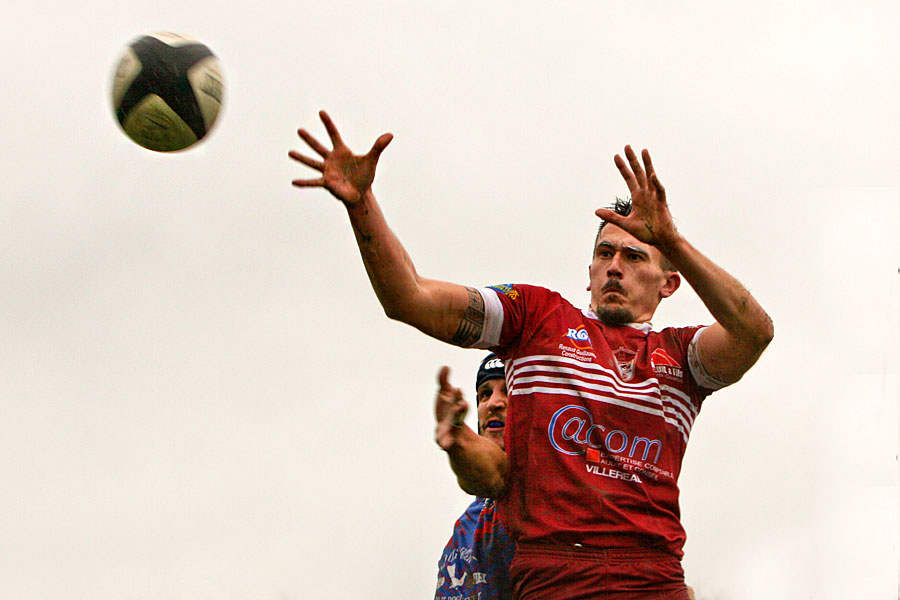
(347, 176)
(449, 411)
(650, 220)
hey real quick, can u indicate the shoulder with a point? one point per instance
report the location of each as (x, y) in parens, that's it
(512, 310)
(516, 292)
(676, 338)
(676, 348)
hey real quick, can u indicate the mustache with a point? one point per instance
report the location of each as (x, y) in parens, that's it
(496, 414)
(614, 286)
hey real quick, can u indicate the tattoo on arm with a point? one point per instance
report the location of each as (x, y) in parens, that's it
(471, 324)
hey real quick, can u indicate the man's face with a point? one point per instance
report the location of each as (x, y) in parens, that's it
(627, 281)
(492, 402)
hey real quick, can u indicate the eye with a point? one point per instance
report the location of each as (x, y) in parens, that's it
(635, 256)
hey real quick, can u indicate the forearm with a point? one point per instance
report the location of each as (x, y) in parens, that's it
(742, 330)
(480, 465)
(390, 269)
(729, 302)
(440, 309)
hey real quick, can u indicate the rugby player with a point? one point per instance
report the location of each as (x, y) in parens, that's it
(601, 405)
(475, 562)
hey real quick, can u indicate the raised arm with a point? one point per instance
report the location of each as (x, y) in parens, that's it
(480, 465)
(742, 329)
(446, 311)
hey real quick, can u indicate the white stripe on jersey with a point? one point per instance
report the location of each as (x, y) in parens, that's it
(543, 373)
(576, 367)
(493, 319)
(701, 375)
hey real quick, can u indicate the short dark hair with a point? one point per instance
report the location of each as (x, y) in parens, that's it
(622, 206)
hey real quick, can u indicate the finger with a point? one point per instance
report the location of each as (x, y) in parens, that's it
(444, 379)
(660, 190)
(330, 128)
(651, 173)
(609, 216)
(320, 182)
(648, 164)
(459, 412)
(313, 143)
(380, 144)
(626, 173)
(635, 167)
(309, 162)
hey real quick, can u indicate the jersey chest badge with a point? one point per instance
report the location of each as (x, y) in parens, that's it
(625, 362)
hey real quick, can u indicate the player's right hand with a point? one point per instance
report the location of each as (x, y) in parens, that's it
(347, 176)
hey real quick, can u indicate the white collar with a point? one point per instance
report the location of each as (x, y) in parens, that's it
(645, 327)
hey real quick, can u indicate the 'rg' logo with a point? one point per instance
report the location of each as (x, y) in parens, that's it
(579, 337)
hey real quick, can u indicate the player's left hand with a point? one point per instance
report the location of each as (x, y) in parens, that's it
(449, 411)
(650, 220)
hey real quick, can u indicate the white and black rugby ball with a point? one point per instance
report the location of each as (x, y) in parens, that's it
(167, 91)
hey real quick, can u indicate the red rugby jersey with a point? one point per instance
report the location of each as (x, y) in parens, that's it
(598, 422)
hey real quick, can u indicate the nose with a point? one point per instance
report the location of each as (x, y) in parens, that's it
(497, 400)
(614, 268)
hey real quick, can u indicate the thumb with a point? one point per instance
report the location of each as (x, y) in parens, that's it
(444, 379)
(610, 216)
(380, 144)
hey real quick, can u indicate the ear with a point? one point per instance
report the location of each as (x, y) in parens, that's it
(673, 282)
(588, 288)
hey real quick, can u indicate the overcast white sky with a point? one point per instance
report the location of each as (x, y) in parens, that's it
(200, 397)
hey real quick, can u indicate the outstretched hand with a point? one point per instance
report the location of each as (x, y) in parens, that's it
(449, 411)
(650, 220)
(347, 176)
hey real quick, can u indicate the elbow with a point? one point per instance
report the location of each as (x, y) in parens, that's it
(397, 309)
(392, 312)
(472, 490)
(767, 333)
(403, 314)
(755, 337)
(756, 341)
(483, 489)
(404, 306)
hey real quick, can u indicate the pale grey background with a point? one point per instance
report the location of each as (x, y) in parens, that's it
(200, 397)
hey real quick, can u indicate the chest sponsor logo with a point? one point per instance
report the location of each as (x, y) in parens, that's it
(572, 431)
(579, 338)
(666, 366)
(577, 344)
(625, 363)
(607, 453)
